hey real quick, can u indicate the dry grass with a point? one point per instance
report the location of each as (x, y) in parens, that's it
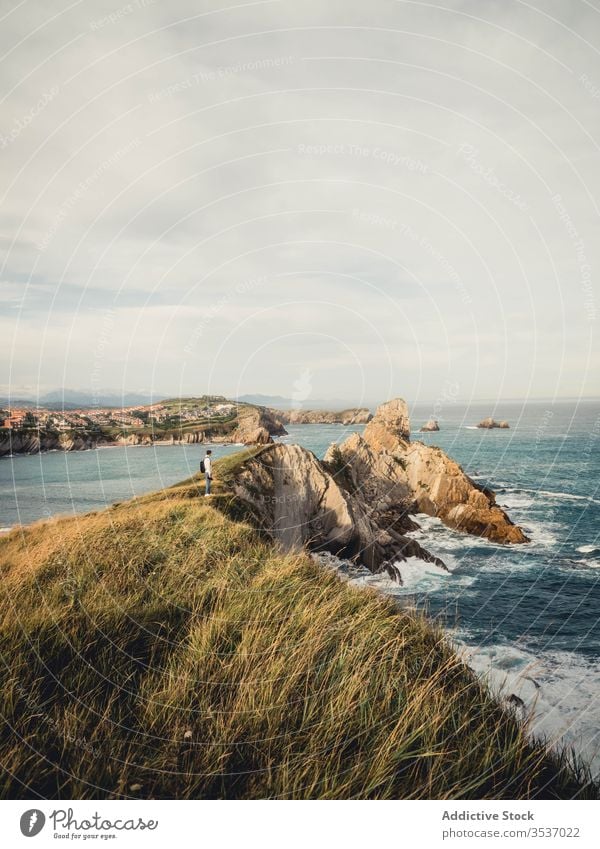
(160, 649)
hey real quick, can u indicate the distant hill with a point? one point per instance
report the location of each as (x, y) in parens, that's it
(70, 399)
(104, 398)
(280, 402)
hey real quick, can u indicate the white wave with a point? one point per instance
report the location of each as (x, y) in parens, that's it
(472, 427)
(415, 574)
(346, 569)
(541, 534)
(514, 500)
(588, 549)
(590, 562)
(421, 575)
(442, 540)
(559, 689)
(5, 530)
(567, 496)
(548, 495)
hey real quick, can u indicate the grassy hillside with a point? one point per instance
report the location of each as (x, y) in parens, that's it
(161, 649)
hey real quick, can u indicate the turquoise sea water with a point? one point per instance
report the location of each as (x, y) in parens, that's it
(527, 615)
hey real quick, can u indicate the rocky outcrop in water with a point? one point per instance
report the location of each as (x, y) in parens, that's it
(430, 427)
(256, 426)
(389, 427)
(134, 439)
(490, 423)
(354, 416)
(357, 503)
(391, 468)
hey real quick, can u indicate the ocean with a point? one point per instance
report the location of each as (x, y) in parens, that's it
(525, 617)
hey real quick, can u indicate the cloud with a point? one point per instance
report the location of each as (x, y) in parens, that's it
(387, 170)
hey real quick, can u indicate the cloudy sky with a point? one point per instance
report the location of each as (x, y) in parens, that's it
(320, 200)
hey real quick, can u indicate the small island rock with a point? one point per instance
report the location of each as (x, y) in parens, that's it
(430, 426)
(490, 423)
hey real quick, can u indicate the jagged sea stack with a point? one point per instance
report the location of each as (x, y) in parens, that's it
(357, 502)
(385, 461)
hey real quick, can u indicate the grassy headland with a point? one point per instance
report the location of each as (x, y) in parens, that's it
(163, 649)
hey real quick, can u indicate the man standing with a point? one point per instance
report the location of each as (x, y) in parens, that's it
(208, 471)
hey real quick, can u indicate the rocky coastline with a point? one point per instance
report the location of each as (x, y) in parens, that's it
(253, 426)
(359, 501)
(353, 416)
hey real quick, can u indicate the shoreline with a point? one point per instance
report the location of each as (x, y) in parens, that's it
(161, 443)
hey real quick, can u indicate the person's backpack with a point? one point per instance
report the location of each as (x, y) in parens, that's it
(202, 466)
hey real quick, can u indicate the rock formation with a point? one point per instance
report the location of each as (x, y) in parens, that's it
(356, 415)
(392, 469)
(441, 488)
(490, 423)
(256, 426)
(357, 502)
(134, 439)
(390, 427)
(430, 426)
(300, 503)
(34, 441)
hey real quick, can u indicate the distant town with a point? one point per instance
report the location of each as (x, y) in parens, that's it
(165, 415)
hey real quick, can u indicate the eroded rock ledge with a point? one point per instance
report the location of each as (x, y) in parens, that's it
(302, 502)
(353, 416)
(357, 502)
(430, 480)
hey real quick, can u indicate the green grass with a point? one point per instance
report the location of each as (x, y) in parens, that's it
(159, 649)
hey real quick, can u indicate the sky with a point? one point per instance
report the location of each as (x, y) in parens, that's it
(317, 200)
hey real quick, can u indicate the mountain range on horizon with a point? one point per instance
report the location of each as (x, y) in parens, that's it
(73, 398)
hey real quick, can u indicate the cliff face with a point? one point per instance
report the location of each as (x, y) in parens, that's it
(32, 442)
(301, 502)
(390, 427)
(256, 426)
(392, 467)
(356, 503)
(441, 488)
(356, 415)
